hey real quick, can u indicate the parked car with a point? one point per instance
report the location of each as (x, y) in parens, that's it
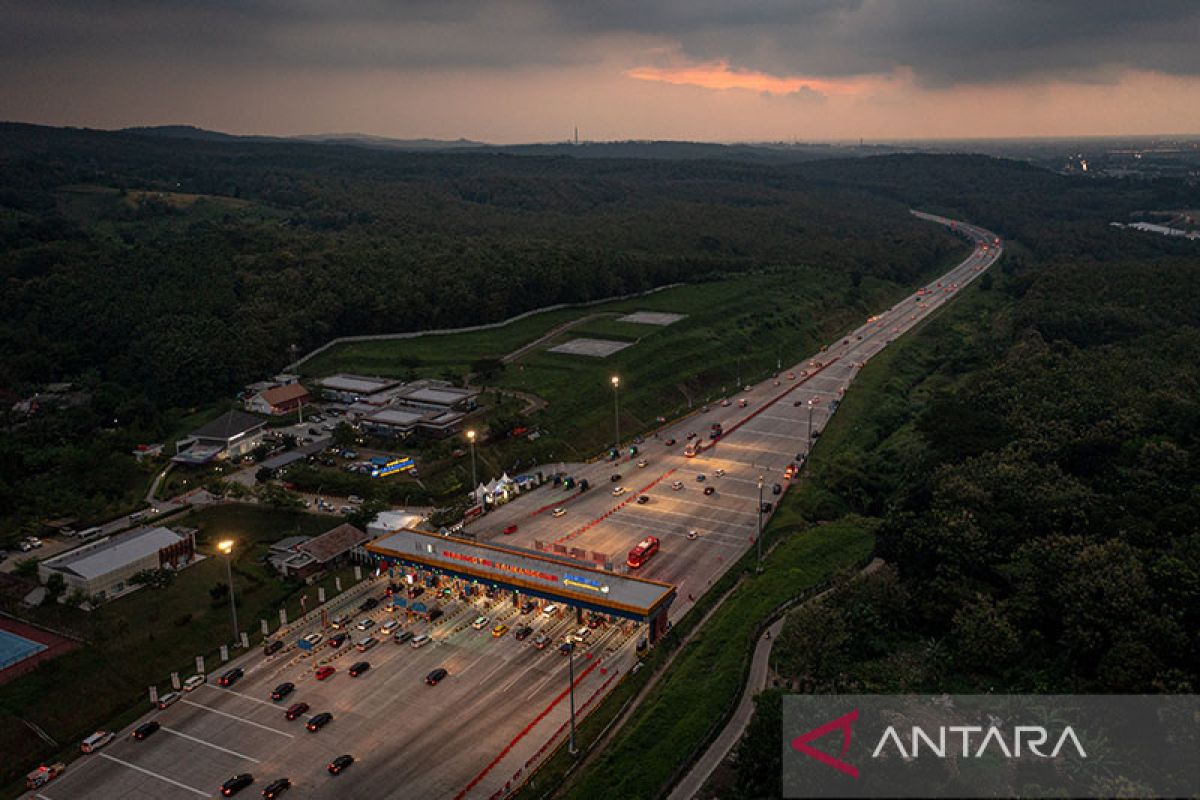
(235, 784)
(295, 710)
(231, 677)
(276, 788)
(145, 730)
(168, 699)
(193, 683)
(282, 690)
(319, 721)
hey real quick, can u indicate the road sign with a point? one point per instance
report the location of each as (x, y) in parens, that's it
(175, 680)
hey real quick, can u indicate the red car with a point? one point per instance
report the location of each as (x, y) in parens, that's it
(325, 672)
(511, 529)
(295, 710)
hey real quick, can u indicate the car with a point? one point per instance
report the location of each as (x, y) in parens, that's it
(709, 490)
(540, 641)
(643, 499)
(235, 784)
(765, 508)
(614, 477)
(777, 489)
(791, 376)
(700, 478)
(402, 636)
(272, 647)
(168, 699)
(231, 677)
(95, 741)
(725, 403)
(677, 485)
(193, 683)
(480, 623)
(416, 592)
(565, 648)
(595, 622)
(318, 721)
(420, 641)
(368, 604)
(642, 463)
(365, 624)
(338, 639)
(276, 788)
(388, 627)
(145, 730)
(324, 672)
(283, 690)
(704, 410)
(366, 643)
(313, 639)
(720, 473)
(499, 630)
(355, 499)
(691, 435)
(436, 677)
(693, 534)
(528, 607)
(742, 402)
(559, 512)
(669, 442)
(359, 668)
(522, 633)
(340, 763)
(510, 530)
(295, 710)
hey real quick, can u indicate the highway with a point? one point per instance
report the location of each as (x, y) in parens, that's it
(414, 740)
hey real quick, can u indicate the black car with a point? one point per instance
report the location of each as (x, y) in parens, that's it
(565, 648)
(235, 784)
(231, 677)
(766, 508)
(776, 489)
(368, 604)
(433, 614)
(359, 668)
(319, 721)
(436, 677)
(522, 632)
(402, 636)
(145, 729)
(709, 490)
(528, 606)
(643, 499)
(283, 690)
(614, 477)
(338, 639)
(270, 648)
(340, 763)
(276, 788)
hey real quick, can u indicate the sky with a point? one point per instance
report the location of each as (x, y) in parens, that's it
(533, 70)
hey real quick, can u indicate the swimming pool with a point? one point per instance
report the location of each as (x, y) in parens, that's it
(15, 648)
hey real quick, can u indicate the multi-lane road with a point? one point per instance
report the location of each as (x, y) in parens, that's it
(471, 734)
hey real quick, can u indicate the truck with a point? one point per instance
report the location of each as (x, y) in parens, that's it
(43, 775)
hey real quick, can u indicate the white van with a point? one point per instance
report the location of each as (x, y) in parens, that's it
(169, 699)
(550, 610)
(422, 640)
(389, 626)
(366, 644)
(193, 683)
(341, 622)
(96, 741)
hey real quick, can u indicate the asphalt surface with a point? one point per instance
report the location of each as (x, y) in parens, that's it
(413, 740)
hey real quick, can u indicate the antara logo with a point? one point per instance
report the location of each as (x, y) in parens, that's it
(1026, 739)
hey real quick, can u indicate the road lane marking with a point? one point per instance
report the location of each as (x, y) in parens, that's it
(210, 744)
(239, 719)
(152, 774)
(240, 694)
(497, 668)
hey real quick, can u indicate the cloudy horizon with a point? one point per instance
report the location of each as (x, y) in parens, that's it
(533, 70)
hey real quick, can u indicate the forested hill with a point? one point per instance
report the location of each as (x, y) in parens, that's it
(177, 267)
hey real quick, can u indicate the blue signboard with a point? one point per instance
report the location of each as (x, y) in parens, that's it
(391, 467)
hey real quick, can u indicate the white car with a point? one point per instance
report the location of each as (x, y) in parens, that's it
(720, 473)
(95, 741)
(480, 623)
(313, 639)
(559, 512)
(693, 534)
(389, 626)
(620, 490)
(642, 463)
(365, 624)
(677, 485)
(169, 699)
(193, 683)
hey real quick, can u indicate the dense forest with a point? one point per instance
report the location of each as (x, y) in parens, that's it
(1033, 455)
(161, 274)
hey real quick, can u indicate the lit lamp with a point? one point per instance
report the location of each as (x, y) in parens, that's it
(474, 480)
(226, 547)
(616, 384)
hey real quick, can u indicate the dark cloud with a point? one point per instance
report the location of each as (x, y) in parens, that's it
(943, 41)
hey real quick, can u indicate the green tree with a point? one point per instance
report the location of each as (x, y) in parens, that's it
(985, 639)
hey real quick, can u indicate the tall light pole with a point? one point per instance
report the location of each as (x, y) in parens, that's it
(474, 480)
(810, 436)
(226, 547)
(758, 541)
(616, 384)
(571, 673)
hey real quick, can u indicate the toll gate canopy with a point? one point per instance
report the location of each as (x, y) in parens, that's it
(532, 574)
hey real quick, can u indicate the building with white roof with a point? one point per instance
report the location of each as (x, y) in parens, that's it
(102, 569)
(345, 388)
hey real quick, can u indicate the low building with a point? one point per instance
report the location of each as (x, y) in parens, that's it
(393, 422)
(144, 451)
(103, 568)
(322, 552)
(343, 388)
(441, 425)
(391, 521)
(433, 395)
(233, 434)
(279, 399)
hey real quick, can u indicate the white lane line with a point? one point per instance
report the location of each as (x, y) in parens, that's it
(498, 667)
(41, 796)
(538, 688)
(163, 778)
(239, 719)
(239, 694)
(210, 744)
(472, 664)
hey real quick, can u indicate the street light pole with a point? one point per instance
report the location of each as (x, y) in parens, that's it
(758, 541)
(810, 438)
(226, 547)
(571, 673)
(474, 480)
(616, 384)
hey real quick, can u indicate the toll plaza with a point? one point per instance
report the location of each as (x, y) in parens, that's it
(529, 575)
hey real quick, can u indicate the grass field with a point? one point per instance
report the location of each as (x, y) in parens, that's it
(139, 639)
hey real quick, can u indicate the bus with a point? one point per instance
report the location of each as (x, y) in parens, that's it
(641, 554)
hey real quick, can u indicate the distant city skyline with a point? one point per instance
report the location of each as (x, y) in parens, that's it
(527, 71)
